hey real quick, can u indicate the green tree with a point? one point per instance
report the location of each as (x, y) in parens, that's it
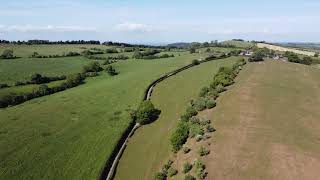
(146, 113)
(192, 50)
(111, 71)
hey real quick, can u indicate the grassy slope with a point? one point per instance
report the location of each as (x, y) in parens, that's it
(268, 125)
(70, 135)
(149, 146)
(12, 71)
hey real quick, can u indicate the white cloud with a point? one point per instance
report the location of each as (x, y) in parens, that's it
(133, 27)
(48, 28)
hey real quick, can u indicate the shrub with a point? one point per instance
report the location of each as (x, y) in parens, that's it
(220, 88)
(189, 177)
(204, 91)
(200, 104)
(205, 121)
(194, 120)
(3, 85)
(257, 56)
(209, 128)
(192, 50)
(92, 67)
(210, 103)
(172, 172)
(41, 90)
(213, 93)
(316, 55)
(200, 169)
(111, 71)
(73, 80)
(306, 60)
(195, 62)
(179, 136)
(160, 176)
(186, 167)
(186, 150)
(7, 54)
(190, 111)
(106, 62)
(195, 129)
(112, 50)
(146, 113)
(203, 151)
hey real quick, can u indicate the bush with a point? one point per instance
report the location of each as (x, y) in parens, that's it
(190, 111)
(106, 62)
(146, 113)
(111, 71)
(41, 90)
(220, 88)
(316, 55)
(200, 104)
(257, 56)
(192, 50)
(204, 91)
(112, 50)
(194, 120)
(189, 177)
(186, 167)
(195, 129)
(195, 62)
(210, 103)
(203, 151)
(200, 169)
(73, 80)
(3, 86)
(186, 150)
(179, 136)
(7, 54)
(209, 128)
(160, 176)
(172, 172)
(92, 67)
(306, 60)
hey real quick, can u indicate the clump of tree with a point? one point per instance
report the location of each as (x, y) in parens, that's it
(7, 54)
(111, 71)
(179, 136)
(146, 113)
(3, 85)
(148, 54)
(192, 50)
(90, 52)
(92, 67)
(112, 50)
(195, 62)
(258, 55)
(293, 57)
(41, 79)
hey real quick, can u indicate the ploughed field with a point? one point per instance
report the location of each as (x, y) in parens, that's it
(268, 124)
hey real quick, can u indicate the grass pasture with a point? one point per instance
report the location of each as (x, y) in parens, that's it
(27, 50)
(149, 147)
(14, 70)
(268, 124)
(71, 134)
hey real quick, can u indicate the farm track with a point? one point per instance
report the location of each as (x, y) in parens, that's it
(109, 172)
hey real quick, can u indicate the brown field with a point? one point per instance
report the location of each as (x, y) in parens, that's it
(268, 125)
(279, 48)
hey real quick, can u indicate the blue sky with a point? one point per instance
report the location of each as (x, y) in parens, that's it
(147, 21)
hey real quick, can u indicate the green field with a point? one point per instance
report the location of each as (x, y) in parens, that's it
(14, 70)
(27, 50)
(268, 124)
(149, 147)
(71, 134)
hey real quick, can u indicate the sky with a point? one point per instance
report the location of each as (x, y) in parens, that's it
(157, 22)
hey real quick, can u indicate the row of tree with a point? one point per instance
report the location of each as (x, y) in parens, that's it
(206, 100)
(36, 41)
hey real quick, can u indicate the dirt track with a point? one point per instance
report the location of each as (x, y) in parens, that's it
(268, 125)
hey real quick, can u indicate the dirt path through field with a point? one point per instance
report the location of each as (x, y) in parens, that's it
(268, 125)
